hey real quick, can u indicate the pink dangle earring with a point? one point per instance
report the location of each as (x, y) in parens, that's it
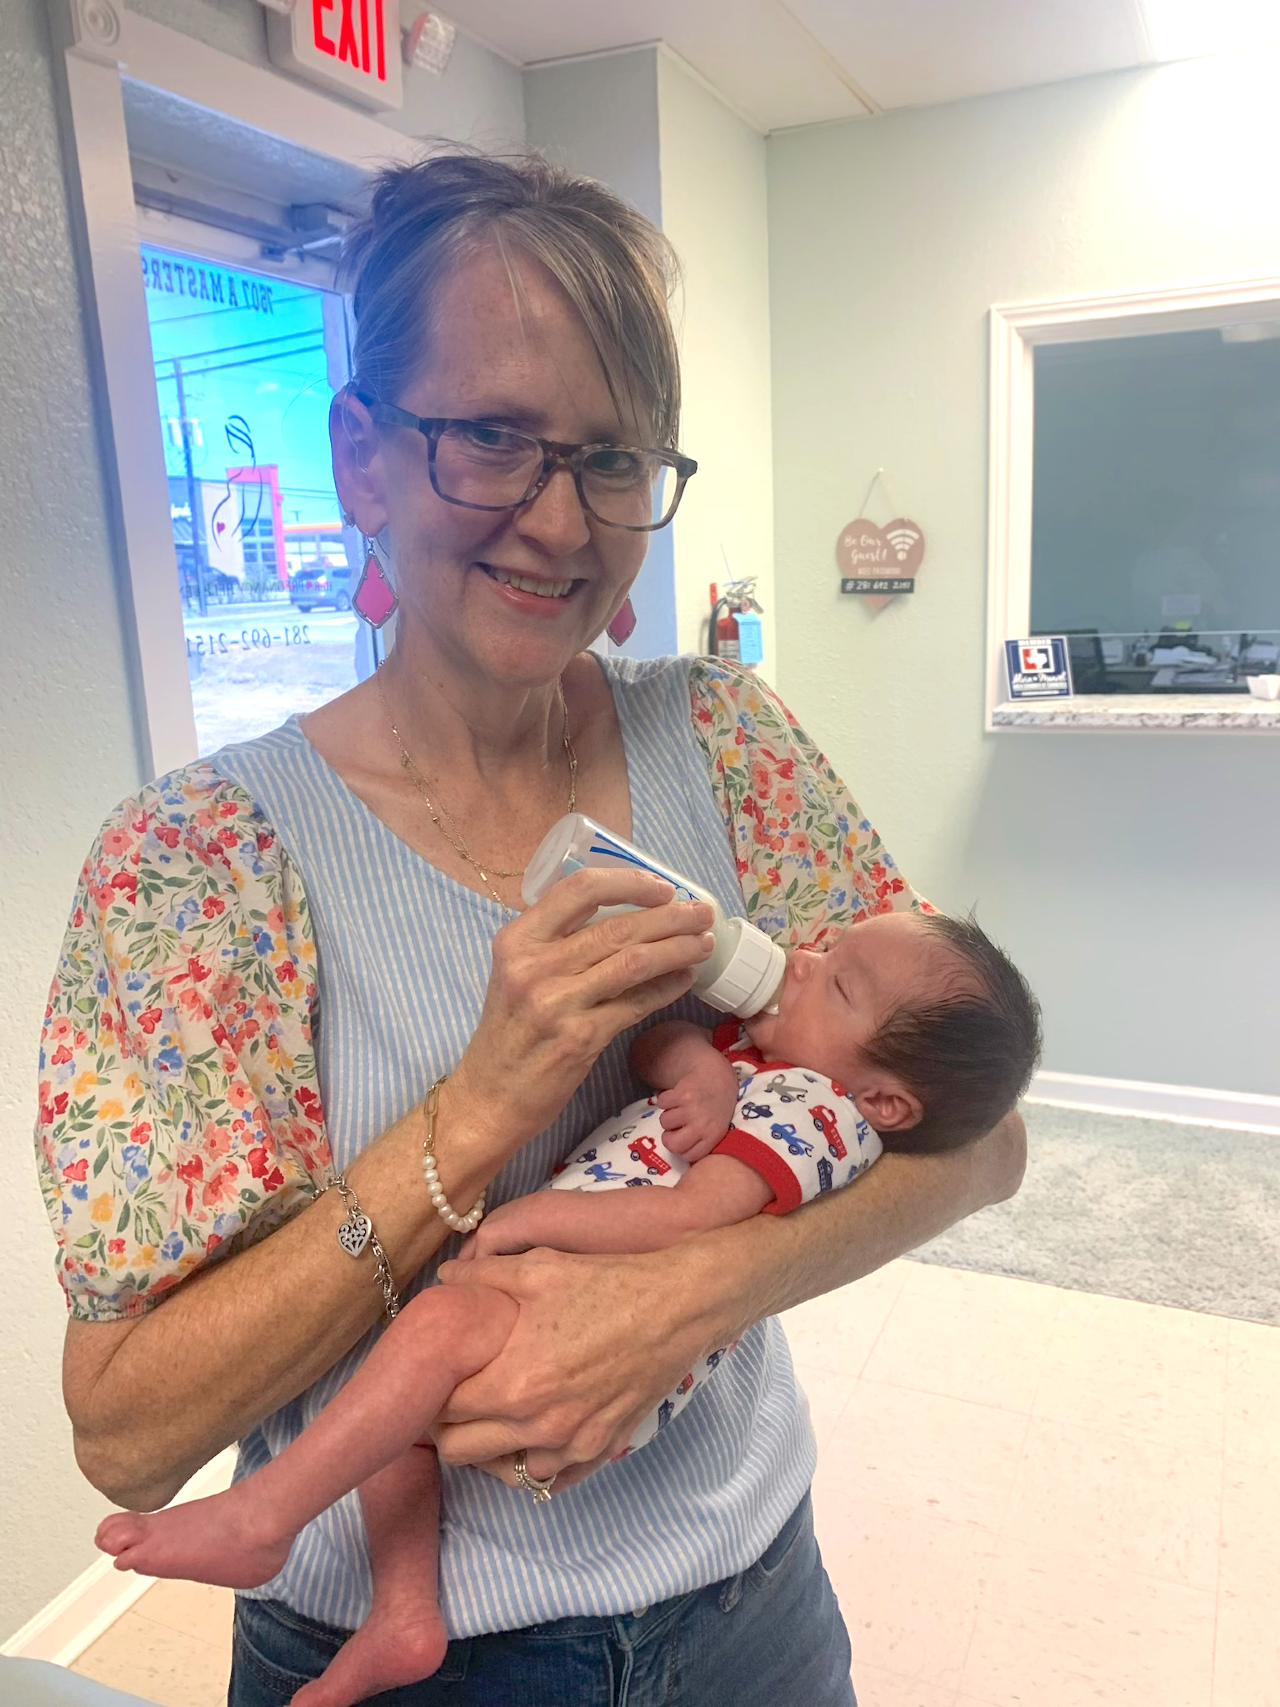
(375, 598)
(622, 624)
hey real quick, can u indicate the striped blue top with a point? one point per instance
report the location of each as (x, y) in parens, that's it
(403, 954)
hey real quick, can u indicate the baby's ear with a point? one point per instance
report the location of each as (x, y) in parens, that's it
(889, 1106)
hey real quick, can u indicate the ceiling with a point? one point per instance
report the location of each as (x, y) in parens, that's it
(793, 62)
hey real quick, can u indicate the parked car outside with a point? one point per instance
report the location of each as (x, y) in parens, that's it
(319, 585)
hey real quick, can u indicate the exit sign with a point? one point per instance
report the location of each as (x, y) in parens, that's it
(352, 46)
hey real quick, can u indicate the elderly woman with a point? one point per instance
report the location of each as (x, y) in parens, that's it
(276, 953)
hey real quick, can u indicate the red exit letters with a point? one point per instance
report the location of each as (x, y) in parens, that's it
(353, 49)
(351, 46)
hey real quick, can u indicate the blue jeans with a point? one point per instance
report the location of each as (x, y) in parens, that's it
(771, 1634)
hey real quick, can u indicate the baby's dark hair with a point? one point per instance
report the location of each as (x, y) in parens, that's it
(967, 1056)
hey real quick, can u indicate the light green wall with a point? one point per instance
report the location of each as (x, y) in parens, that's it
(599, 116)
(1136, 878)
(715, 211)
(646, 125)
(68, 751)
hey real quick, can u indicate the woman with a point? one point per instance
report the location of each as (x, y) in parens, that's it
(360, 871)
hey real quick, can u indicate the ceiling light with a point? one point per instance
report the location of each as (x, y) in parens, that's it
(1185, 29)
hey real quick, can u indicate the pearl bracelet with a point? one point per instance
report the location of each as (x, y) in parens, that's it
(460, 1223)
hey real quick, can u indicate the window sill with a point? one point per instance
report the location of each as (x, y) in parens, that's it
(1141, 711)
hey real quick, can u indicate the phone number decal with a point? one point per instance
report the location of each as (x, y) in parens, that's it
(248, 640)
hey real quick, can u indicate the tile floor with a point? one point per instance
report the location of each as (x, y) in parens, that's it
(1026, 1498)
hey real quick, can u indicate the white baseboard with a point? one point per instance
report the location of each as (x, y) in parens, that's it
(1241, 1111)
(63, 1629)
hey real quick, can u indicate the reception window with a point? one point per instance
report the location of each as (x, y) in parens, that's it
(1155, 543)
(1135, 506)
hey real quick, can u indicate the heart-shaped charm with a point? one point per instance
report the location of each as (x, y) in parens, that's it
(353, 1234)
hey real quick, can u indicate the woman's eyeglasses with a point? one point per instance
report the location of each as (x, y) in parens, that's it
(483, 466)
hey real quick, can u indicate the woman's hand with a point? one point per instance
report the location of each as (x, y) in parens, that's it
(560, 992)
(596, 1347)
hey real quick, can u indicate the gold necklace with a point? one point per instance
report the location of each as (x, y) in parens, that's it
(441, 819)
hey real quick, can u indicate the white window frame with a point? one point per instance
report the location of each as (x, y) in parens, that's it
(1016, 330)
(100, 41)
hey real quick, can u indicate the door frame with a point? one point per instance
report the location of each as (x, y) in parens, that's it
(101, 42)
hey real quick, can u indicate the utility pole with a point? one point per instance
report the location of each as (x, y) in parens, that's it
(202, 592)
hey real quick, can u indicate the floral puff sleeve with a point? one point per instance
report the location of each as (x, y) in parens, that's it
(179, 1113)
(809, 863)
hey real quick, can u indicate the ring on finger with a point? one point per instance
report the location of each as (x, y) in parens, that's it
(541, 1490)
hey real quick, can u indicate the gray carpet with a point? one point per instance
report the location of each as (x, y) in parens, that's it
(1181, 1215)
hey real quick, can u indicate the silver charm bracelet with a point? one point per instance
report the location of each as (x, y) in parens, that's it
(355, 1234)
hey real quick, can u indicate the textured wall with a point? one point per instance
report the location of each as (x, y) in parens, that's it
(1135, 877)
(237, 27)
(478, 99)
(68, 752)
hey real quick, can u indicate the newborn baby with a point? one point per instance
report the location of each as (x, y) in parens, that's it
(911, 1032)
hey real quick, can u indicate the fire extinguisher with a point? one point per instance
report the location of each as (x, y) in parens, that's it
(722, 630)
(734, 628)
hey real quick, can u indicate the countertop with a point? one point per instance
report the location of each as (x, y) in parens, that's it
(1141, 711)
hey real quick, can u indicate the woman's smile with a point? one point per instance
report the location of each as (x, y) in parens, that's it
(537, 595)
(530, 583)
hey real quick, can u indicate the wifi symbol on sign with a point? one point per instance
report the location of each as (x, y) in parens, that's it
(903, 540)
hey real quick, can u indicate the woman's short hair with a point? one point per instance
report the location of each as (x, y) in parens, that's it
(616, 268)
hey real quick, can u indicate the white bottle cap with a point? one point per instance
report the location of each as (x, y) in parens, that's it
(753, 976)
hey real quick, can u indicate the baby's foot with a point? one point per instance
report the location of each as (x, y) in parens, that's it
(216, 1540)
(395, 1646)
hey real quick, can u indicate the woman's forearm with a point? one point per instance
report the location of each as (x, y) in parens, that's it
(770, 1263)
(153, 1398)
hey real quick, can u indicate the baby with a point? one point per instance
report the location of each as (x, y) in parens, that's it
(912, 1032)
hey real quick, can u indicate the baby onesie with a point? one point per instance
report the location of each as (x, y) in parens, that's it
(799, 1130)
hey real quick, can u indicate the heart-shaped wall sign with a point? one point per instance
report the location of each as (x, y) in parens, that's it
(866, 550)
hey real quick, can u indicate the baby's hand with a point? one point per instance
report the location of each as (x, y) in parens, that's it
(505, 1231)
(696, 1112)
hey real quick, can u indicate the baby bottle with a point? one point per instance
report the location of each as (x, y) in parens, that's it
(743, 973)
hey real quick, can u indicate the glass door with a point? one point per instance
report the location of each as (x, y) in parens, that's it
(245, 367)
